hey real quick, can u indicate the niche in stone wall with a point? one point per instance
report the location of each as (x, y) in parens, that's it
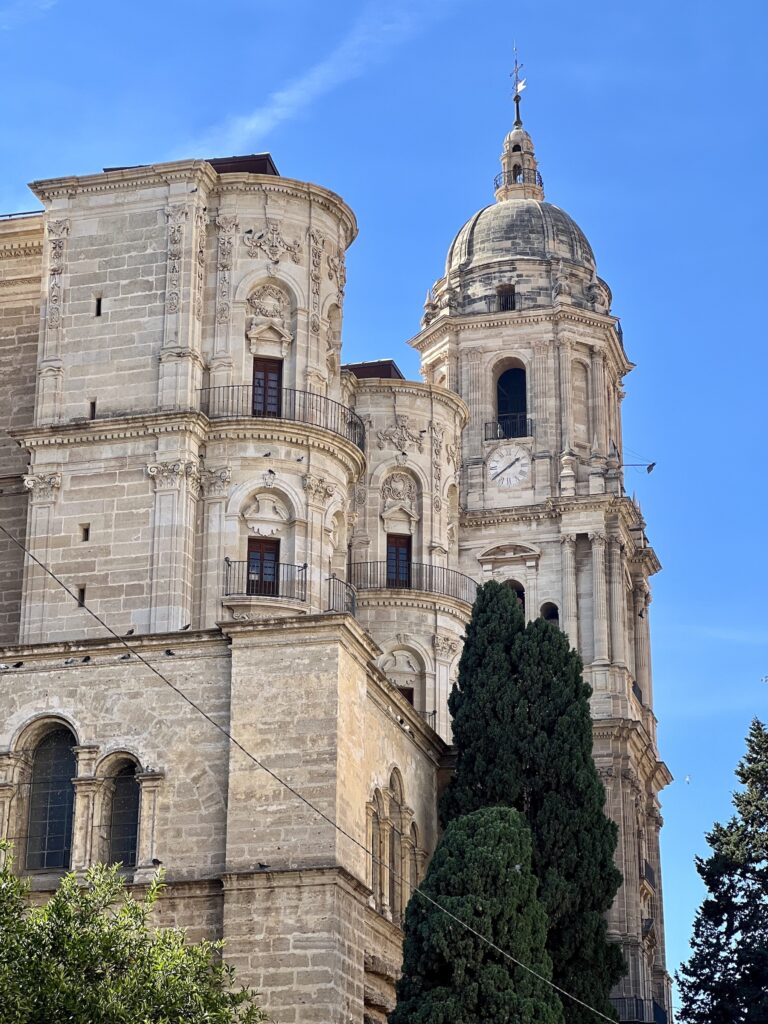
(269, 515)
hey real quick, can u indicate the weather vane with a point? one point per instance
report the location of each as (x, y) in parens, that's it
(519, 84)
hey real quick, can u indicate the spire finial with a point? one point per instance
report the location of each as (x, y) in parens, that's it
(519, 84)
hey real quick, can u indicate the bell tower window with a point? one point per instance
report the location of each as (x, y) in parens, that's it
(511, 403)
(505, 298)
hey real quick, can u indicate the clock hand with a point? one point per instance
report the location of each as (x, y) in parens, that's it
(509, 466)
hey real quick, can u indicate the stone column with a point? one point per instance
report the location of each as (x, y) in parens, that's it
(43, 490)
(531, 590)
(386, 841)
(600, 607)
(149, 783)
(641, 595)
(319, 492)
(221, 362)
(176, 487)
(569, 611)
(566, 396)
(445, 648)
(84, 823)
(214, 485)
(540, 404)
(599, 400)
(618, 604)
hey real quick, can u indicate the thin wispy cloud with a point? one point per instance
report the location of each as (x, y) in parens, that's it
(20, 11)
(372, 37)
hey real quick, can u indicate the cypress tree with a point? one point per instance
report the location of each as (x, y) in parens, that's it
(726, 977)
(481, 873)
(523, 735)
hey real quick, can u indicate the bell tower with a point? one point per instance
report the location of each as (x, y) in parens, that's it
(520, 326)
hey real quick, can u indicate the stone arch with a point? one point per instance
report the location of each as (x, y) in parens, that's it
(34, 729)
(266, 327)
(406, 667)
(117, 808)
(401, 508)
(267, 512)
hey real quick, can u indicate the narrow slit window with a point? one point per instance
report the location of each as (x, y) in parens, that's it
(81, 597)
(92, 409)
(97, 311)
(85, 532)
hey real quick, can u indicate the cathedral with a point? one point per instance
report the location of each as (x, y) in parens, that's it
(192, 480)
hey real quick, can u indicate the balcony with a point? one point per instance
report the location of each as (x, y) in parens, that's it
(647, 874)
(512, 425)
(524, 176)
(278, 581)
(430, 579)
(340, 597)
(241, 401)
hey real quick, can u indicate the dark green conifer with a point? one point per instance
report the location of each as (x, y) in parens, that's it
(481, 873)
(725, 981)
(523, 735)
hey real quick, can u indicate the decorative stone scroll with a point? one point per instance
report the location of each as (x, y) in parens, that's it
(399, 489)
(215, 482)
(337, 271)
(399, 435)
(227, 226)
(271, 244)
(201, 228)
(445, 646)
(316, 246)
(318, 488)
(169, 475)
(270, 307)
(266, 516)
(42, 486)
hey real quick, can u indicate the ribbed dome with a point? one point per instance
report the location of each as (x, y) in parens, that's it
(519, 227)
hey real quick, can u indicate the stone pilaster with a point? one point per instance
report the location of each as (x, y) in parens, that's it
(445, 649)
(599, 401)
(641, 601)
(618, 603)
(176, 488)
(214, 486)
(599, 597)
(149, 783)
(43, 490)
(566, 396)
(85, 834)
(319, 492)
(570, 602)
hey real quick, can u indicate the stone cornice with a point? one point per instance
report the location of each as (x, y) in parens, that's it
(633, 732)
(150, 644)
(289, 432)
(385, 598)
(197, 172)
(445, 396)
(559, 314)
(384, 695)
(118, 428)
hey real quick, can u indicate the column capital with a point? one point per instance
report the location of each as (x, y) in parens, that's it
(568, 538)
(597, 538)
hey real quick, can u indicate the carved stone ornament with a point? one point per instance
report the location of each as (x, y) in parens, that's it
(215, 482)
(454, 454)
(270, 243)
(227, 226)
(318, 488)
(399, 435)
(201, 227)
(57, 234)
(266, 516)
(337, 271)
(268, 303)
(444, 646)
(400, 489)
(169, 475)
(42, 486)
(176, 216)
(361, 495)
(316, 246)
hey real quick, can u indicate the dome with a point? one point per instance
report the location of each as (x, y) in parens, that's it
(519, 228)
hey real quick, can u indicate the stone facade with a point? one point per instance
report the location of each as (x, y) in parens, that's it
(296, 545)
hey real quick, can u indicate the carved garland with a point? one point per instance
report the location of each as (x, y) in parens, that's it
(227, 226)
(316, 246)
(57, 234)
(201, 228)
(399, 435)
(337, 271)
(270, 243)
(176, 216)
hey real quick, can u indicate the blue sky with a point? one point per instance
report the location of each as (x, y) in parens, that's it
(648, 126)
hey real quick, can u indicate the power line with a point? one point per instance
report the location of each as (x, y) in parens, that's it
(252, 757)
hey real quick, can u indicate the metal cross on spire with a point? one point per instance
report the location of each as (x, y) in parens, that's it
(519, 84)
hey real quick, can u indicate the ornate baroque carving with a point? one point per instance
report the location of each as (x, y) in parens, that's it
(268, 302)
(316, 246)
(270, 243)
(42, 486)
(169, 475)
(399, 488)
(215, 482)
(57, 234)
(227, 226)
(318, 488)
(399, 435)
(337, 271)
(176, 216)
(444, 646)
(201, 227)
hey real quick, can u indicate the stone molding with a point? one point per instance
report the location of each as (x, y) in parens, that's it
(215, 482)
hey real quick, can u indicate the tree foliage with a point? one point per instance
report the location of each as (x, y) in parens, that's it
(523, 735)
(725, 981)
(89, 956)
(481, 874)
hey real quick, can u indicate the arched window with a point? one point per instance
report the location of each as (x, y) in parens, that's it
(376, 857)
(517, 174)
(51, 802)
(517, 148)
(519, 589)
(124, 817)
(550, 613)
(395, 847)
(511, 403)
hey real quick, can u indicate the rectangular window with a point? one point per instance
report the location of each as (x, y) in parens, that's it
(398, 560)
(81, 597)
(505, 299)
(263, 567)
(85, 531)
(97, 311)
(92, 409)
(267, 387)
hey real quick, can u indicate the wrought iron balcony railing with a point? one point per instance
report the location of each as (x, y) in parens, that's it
(276, 580)
(341, 596)
(239, 401)
(431, 579)
(515, 424)
(523, 176)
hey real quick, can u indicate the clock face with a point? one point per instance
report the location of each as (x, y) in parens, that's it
(509, 466)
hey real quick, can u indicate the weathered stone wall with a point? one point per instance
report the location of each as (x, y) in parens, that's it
(21, 249)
